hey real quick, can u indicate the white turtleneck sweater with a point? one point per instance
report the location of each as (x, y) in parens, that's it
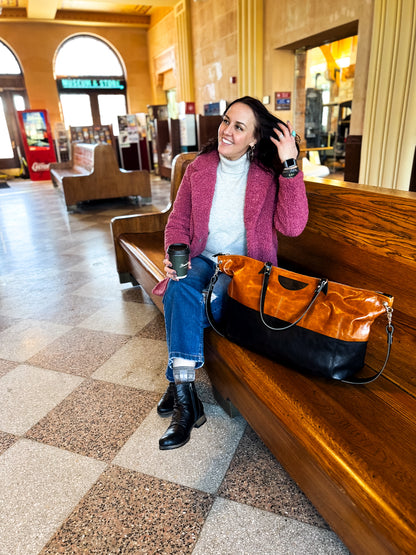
(227, 233)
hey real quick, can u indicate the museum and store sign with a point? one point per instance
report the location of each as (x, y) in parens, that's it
(91, 84)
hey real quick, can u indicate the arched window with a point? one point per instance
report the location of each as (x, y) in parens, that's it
(91, 83)
(12, 97)
(9, 64)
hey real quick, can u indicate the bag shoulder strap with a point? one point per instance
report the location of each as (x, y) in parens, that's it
(208, 296)
(389, 332)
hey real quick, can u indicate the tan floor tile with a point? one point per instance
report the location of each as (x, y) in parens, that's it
(80, 351)
(95, 420)
(201, 463)
(121, 317)
(68, 309)
(134, 294)
(6, 366)
(140, 363)
(127, 512)
(39, 486)
(24, 339)
(28, 393)
(155, 329)
(234, 528)
(256, 478)
(6, 441)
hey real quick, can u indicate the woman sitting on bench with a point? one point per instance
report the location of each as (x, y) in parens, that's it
(242, 188)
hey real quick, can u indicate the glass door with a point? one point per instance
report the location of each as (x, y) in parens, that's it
(6, 145)
(10, 142)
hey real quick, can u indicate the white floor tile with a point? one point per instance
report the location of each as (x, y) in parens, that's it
(26, 338)
(200, 464)
(140, 363)
(39, 486)
(105, 288)
(28, 393)
(235, 529)
(121, 317)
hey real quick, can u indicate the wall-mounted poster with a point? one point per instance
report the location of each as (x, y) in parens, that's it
(128, 127)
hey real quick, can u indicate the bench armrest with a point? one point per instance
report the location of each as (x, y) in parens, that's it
(139, 223)
(136, 223)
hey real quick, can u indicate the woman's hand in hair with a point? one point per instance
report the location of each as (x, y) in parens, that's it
(285, 142)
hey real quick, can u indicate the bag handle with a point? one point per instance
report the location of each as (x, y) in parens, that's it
(267, 269)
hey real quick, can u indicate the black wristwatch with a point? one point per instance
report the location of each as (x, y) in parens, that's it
(290, 163)
(290, 172)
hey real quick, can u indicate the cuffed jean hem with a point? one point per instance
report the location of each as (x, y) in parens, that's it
(198, 359)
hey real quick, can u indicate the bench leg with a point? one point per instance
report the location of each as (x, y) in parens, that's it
(126, 277)
(225, 404)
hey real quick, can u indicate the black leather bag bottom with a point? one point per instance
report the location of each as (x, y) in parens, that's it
(304, 350)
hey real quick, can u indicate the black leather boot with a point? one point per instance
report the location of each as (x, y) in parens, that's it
(188, 413)
(165, 405)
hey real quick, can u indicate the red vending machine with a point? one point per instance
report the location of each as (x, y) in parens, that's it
(37, 142)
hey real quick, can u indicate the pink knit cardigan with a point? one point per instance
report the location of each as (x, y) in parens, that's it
(265, 211)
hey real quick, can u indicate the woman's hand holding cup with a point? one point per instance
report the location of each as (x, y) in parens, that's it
(177, 261)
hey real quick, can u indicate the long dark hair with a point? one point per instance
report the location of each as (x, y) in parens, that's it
(264, 152)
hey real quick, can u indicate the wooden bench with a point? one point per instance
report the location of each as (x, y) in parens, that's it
(93, 173)
(351, 449)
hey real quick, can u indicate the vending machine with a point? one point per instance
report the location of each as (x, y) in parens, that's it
(37, 142)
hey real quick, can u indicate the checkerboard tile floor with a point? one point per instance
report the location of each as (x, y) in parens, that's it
(82, 363)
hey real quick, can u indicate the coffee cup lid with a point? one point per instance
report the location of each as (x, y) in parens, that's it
(178, 247)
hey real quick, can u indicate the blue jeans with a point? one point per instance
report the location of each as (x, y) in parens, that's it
(185, 317)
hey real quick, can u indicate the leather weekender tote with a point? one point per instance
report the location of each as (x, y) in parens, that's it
(311, 324)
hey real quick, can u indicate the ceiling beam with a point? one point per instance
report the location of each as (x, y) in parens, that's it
(154, 3)
(73, 17)
(91, 18)
(42, 9)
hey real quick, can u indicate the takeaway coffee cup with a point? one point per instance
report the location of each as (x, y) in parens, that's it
(179, 256)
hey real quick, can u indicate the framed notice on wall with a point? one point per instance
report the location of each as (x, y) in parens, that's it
(282, 100)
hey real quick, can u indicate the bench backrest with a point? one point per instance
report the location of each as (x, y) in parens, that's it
(366, 237)
(179, 165)
(83, 156)
(95, 158)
